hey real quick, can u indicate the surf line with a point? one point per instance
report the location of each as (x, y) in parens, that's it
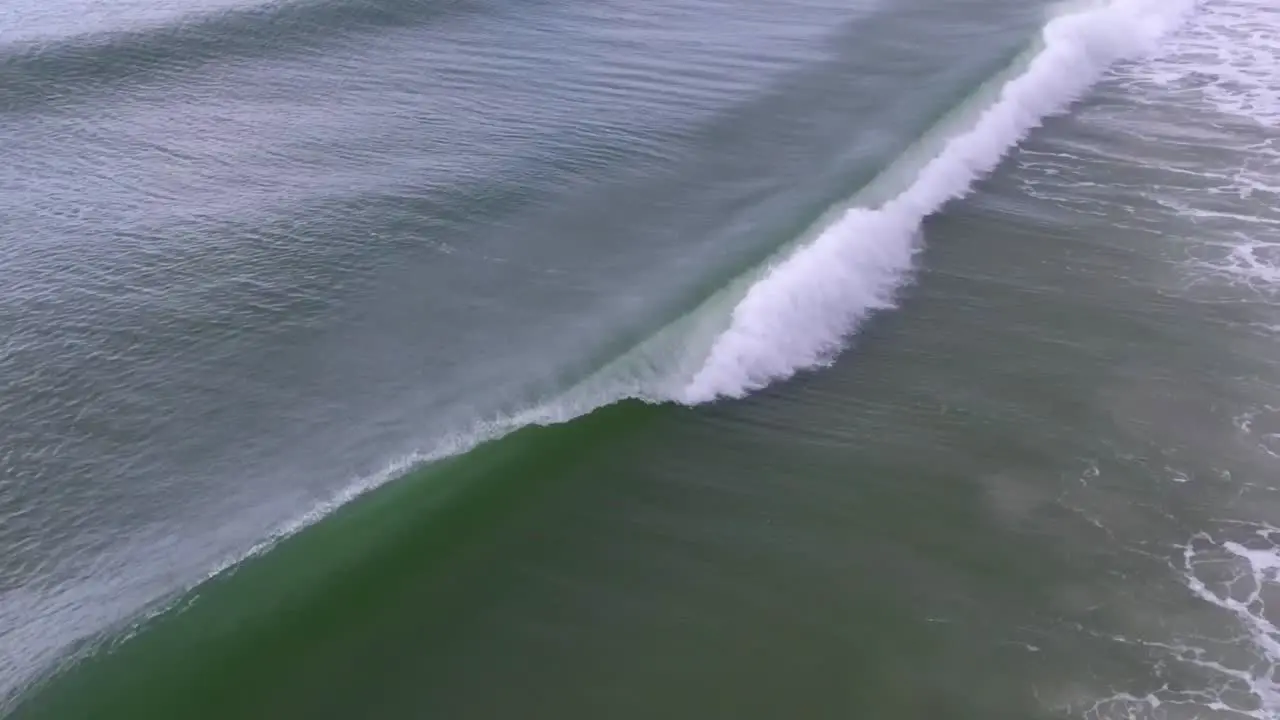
(801, 313)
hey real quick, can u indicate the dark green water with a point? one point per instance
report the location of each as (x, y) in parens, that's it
(481, 359)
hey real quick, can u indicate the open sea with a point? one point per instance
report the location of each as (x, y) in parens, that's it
(741, 359)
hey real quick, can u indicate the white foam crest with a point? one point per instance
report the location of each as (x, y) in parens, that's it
(800, 314)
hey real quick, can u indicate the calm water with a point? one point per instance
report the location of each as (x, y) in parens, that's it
(474, 358)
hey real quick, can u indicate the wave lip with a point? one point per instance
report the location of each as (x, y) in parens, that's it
(800, 314)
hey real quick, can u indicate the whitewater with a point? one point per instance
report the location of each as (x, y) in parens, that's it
(801, 313)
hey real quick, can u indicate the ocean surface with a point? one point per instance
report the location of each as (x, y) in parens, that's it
(678, 359)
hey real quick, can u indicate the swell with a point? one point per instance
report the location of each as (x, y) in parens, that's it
(66, 70)
(794, 313)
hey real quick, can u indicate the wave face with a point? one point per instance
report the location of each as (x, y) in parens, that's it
(247, 639)
(802, 312)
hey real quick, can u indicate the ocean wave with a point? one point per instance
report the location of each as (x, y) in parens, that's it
(799, 311)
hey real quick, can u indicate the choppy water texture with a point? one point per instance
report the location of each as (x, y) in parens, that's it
(693, 358)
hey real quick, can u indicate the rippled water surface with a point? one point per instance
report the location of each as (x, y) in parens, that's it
(473, 358)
